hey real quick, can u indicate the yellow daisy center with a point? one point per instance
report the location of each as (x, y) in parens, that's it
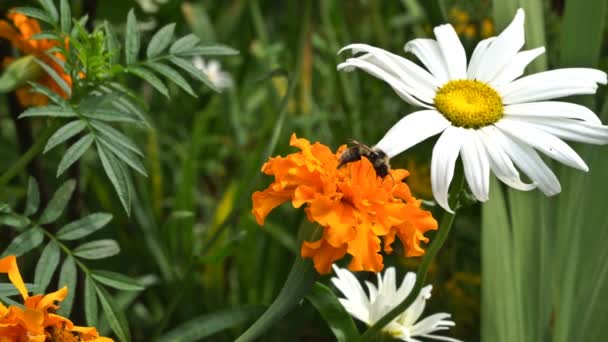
(469, 103)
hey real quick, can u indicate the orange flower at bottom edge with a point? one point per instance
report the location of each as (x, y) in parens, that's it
(19, 34)
(36, 322)
(356, 208)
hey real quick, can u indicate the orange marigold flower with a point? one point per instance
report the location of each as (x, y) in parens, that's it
(19, 34)
(355, 207)
(36, 320)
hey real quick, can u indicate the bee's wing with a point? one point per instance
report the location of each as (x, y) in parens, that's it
(361, 145)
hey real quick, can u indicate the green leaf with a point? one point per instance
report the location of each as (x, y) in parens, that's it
(582, 19)
(98, 249)
(117, 281)
(340, 321)
(46, 266)
(64, 133)
(66, 16)
(25, 242)
(112, 44)
(184, 44)
(53, 96)
(211, 50)
(16, 221)
(111, 115)
(204, 326)
(161, 40)
(149, 77)
(74, 153)
(172, 75)
(34, 13)
(132, 39)
(192, 71)
(58, 203)
(8, 289)
(84, 226)
(33, 197)
(125, 155)
(55, 76)
(91, 312)
(67, 278)
(82, 22)
(115, 135)
(117, 175)
(45, 35)
(50, 9)
(116, 318)
(51, 111)
(299, 282)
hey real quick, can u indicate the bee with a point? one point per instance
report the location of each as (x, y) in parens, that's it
(376, 156)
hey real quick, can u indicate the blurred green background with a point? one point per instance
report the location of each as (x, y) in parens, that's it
(191, 236)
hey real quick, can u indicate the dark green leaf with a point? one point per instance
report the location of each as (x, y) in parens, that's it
(25, 242)
(45, 35)
(132, 39)
(8, 289)
(66, 16)
(91, 312)
(117, 281)
(67, 277)
(74, 153)
(204, 326)
(33, 197)
(172, 75)
(84, 226)
(55, 76)
(116, 318)
(111, 115)
(34, 13)
(46, 266)
(149, 77)
(58, 203)
(192, 71)
(112, 44)
(115, 135)
(50, 9)
(98, 249)
(125, 155)
(117, 175)
(161, 40)
(212, 50)
(184, 44)
(53, 96)
(16, 221)
(52, 111)
(64, 133)
(340, 321)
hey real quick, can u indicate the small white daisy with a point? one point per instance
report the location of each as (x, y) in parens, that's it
(485, 112)
(382, 299)
(213, 70)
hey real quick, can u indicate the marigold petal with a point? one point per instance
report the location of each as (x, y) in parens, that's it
(364, 248)
(265, 201)
(8, 265)
(323, 254)
(49, 300)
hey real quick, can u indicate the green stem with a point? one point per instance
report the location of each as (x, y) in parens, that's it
(438, 241)
(30, 154)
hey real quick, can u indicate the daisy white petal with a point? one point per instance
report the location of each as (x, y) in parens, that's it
(552, 84)
(550, 145)
(429, 53)
(476, 165)
(500, 162)
(530, 163)
(358, 302)
(445, 153)
(478, 56)
(397, 84)
(502, 49)
(405, 326)
(411, 130)
(454, 56)
(515, 68)
(552, 109)
(571, 130)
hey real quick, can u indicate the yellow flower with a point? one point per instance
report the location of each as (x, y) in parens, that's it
(19, 34)
(35, 321)
(354, 206)
(487, 28)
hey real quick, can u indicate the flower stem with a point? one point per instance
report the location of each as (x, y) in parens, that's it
(438, 241)
(30, 154)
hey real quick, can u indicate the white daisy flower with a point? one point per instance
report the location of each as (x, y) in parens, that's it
(485, 112)
(213, 70)
(382, 299)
